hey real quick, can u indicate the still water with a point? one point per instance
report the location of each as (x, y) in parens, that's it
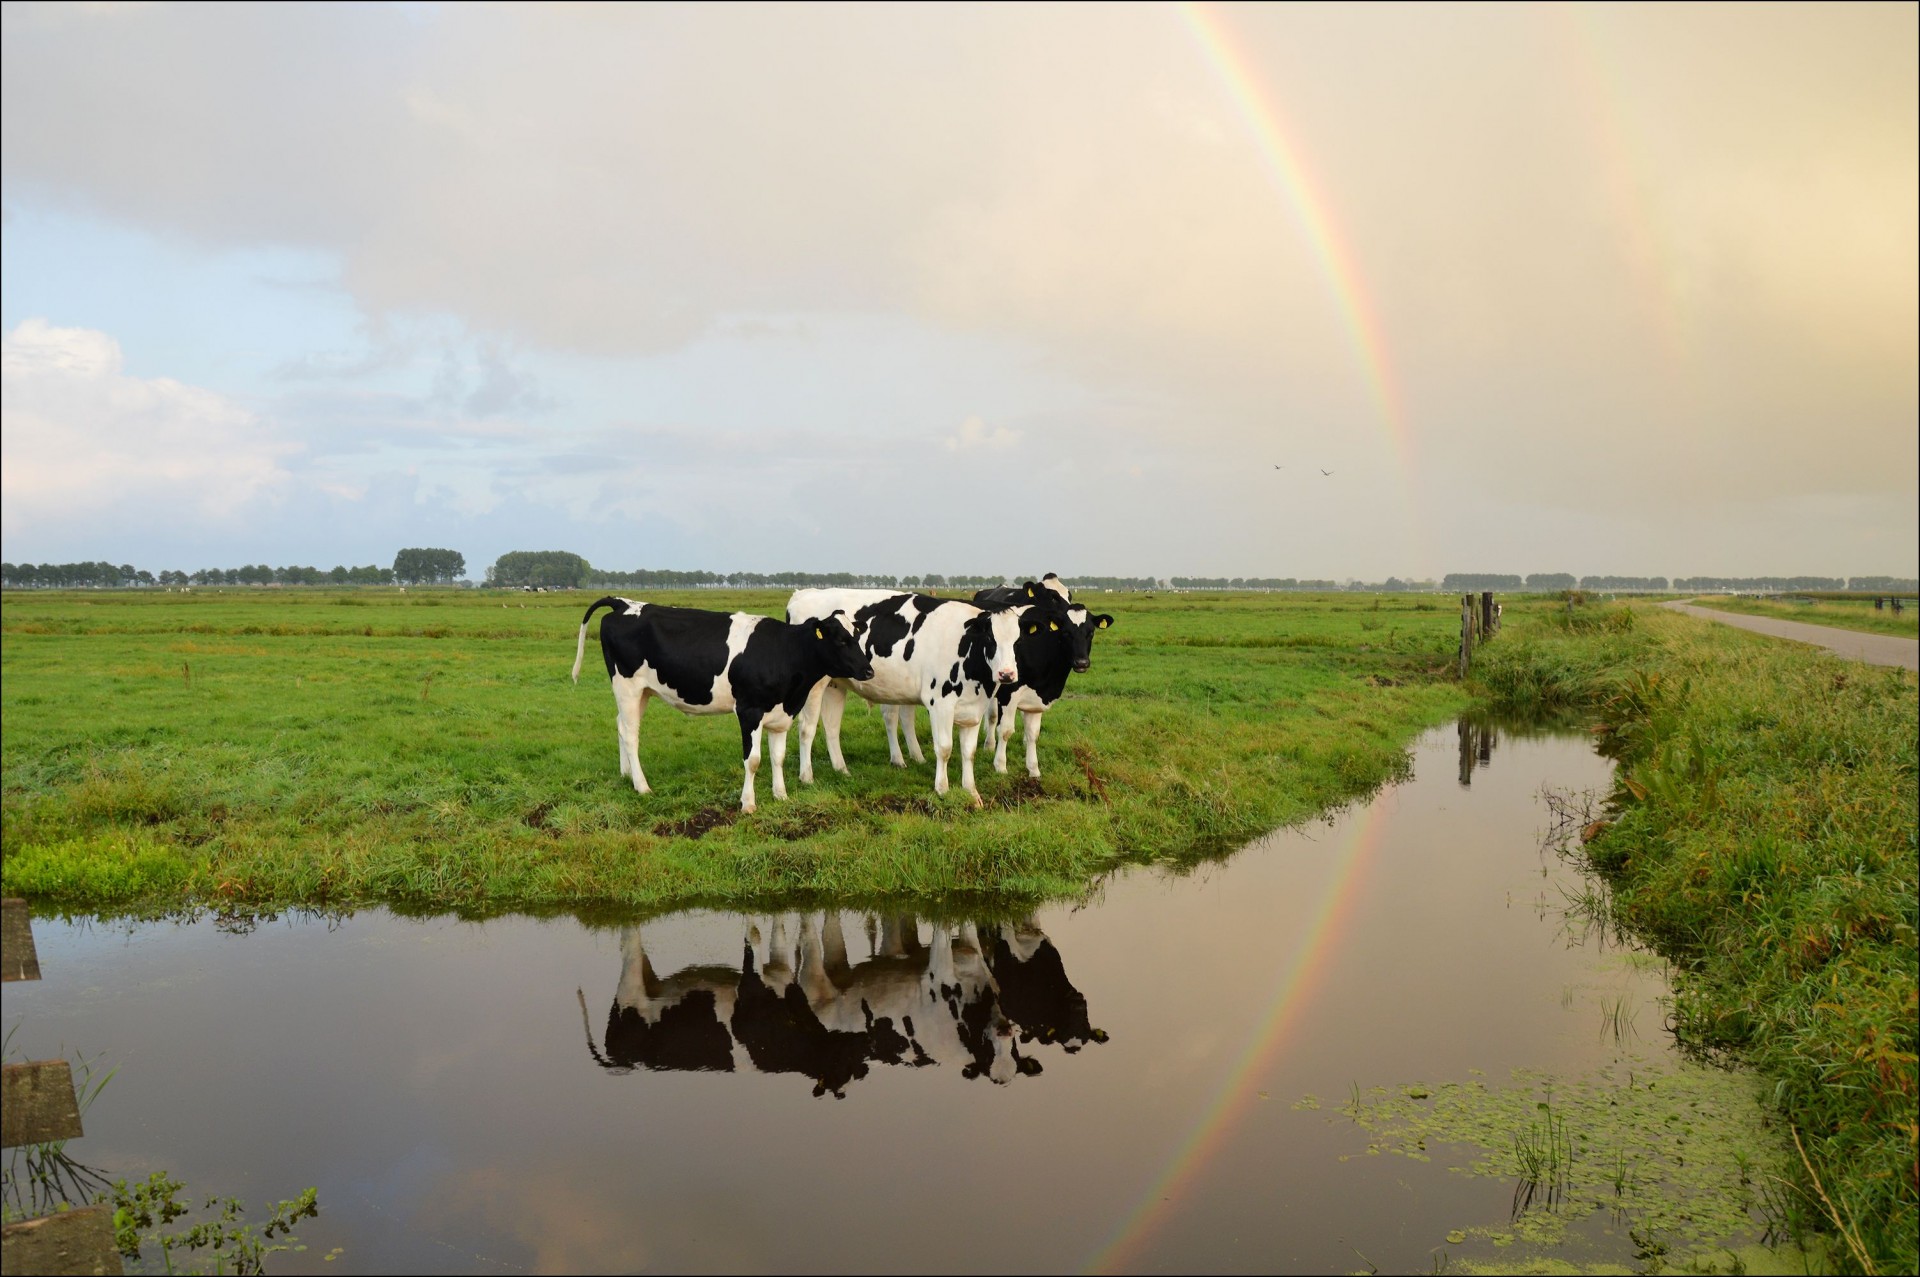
(1109, 1085)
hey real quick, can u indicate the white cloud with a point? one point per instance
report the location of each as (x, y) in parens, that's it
(79, 437)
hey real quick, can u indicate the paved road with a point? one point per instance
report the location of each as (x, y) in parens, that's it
(1874, 649)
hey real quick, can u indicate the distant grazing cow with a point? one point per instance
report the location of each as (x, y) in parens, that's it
(1056, 638)
(941, 653)
(759, 669)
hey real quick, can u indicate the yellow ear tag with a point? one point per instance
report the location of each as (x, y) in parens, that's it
(1053, 625)
(817, 632)
(1033, 629)
(1105, 624)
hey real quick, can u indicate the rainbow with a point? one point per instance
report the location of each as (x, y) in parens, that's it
(1221, 1118)
(1288, 171)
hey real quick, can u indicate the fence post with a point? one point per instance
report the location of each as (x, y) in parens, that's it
(1466, 632)
(1486, 615)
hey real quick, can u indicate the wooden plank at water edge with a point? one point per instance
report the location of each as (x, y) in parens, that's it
(74, 1241)
(37, 1104)
(17, 958)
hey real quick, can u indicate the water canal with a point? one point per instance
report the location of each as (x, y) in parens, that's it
(1227, 1070)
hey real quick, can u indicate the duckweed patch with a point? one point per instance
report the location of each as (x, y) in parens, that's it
(1674, 1161)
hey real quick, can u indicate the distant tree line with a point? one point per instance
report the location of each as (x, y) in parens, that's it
(676, 579)
(559, 569)
(1566, 581)
(410, 567)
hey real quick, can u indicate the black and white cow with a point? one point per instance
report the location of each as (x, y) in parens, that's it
(941, 653)
(1000, 597)
(757, 668)
(1056, 639)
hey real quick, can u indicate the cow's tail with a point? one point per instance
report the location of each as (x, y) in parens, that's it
(580, 651)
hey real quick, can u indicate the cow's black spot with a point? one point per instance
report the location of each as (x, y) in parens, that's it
(686, 647)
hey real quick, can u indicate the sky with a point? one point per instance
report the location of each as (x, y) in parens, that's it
(1314, 291)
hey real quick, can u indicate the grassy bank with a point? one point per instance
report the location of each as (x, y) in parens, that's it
(1762, 831)
(252, 748)
(1845, 614)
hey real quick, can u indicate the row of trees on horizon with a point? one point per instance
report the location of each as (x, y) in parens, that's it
(560, 569)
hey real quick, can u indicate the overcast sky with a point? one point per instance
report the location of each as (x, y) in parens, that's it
(996, 289)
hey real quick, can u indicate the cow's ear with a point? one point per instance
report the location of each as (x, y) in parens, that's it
(1104, 621)
(1033, 589)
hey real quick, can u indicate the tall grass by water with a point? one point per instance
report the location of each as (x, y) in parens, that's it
(257, 748)
(1762, 832)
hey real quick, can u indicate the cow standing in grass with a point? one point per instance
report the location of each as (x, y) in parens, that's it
(1056, 639)
(941, 653)
(759, 669)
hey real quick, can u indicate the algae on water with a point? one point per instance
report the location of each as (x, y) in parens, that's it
(1669, 1163)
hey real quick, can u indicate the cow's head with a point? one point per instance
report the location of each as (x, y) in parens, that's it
(840, 653)
(1072, 623)
(1006, 632)
(1052, 581)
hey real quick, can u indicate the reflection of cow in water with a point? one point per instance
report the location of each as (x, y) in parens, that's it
(813, 1012)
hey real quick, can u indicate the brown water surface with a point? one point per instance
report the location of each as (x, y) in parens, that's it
(1105, 1085)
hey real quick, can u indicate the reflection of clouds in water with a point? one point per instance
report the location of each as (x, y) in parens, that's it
(970, 997)
(568, 1223)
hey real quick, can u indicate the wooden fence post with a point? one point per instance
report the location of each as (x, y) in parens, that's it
(1486, 615)
(1466, 632)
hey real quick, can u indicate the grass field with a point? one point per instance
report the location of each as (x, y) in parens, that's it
(1764, 831)
(426, 749)
(1845, 614)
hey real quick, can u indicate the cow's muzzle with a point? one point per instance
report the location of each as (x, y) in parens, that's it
(1007, 676)
(1081, 667)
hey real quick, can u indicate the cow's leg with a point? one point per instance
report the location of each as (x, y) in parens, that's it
(999, 730)
(812, 971)
(913, 741)
(749, 751)
(637, 981)
(832, 706)
(777, 746)
(940, 729)
(1033, 743)
(891, 715)
(969, 743)
(809, 724)
(631, 702)
(833, 950)
(940, 958)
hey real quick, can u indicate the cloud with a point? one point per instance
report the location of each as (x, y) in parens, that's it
(974, 434)
(82, 438)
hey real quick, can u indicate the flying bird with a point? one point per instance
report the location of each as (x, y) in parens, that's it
(1279, 467)
(1326, 472)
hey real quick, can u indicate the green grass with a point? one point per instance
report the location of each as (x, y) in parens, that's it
(1762, 831)
(426, 750)
(1845, 614)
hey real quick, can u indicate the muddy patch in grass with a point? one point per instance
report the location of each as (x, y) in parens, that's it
(697, 825)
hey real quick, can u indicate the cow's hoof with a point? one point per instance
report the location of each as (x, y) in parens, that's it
(977, 804)
(842, 769)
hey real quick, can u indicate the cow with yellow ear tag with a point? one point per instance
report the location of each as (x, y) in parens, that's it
(1056, 639)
